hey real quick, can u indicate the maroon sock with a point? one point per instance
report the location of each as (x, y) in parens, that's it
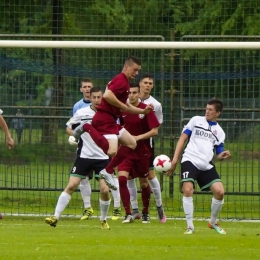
(122, 152)
(99, 139)
(124, 193)
(146, 194)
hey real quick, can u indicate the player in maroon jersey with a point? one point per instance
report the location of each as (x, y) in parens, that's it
(104, 129)
(136, 163)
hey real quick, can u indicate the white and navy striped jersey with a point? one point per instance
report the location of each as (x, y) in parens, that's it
(204, 137)
(157, 107)
(87, 148)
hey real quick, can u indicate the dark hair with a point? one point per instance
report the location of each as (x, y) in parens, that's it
(95, 89)
(135, 85)
(133, 59)
(146, 75)
(86, 80)
(216, 103)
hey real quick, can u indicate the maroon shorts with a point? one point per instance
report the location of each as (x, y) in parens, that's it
(105, 123)
(137, 168)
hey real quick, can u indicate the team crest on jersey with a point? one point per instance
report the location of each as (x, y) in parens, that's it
(215, 132)
(141, 116)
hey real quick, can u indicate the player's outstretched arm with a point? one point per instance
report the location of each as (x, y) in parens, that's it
(224, 155)
(9, 140)
(135, 110)
(178, 150)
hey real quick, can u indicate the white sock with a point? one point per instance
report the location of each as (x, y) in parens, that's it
(131, 185)
(156, 189)
(104, 207)
(62, 203)
(216, 206)
(85, 191)
(116, 193)
(188, 210)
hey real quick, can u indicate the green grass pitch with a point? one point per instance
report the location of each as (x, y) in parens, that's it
(30, 238)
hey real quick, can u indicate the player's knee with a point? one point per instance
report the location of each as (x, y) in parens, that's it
(104, 190)
(187, 189)
(219, 194)
(132, 145)
(70, 188)
(151, 175)
(112, 152)
(143, 185)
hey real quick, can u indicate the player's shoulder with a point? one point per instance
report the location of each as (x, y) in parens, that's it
(154, 101)
(199, 119)
(85, 110)
(78, 103)
(121, 77)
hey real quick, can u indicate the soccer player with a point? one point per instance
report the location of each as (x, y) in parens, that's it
(136, 163)
(86, 85)
(89, 158)
(104, 129)
(3, 125)
(85, 188)
(146, 85)
(203, 135)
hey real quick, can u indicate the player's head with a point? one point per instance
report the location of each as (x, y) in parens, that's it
(213, 109)
(146, 83)
(133, 95)
(95, 96)
(131, 67)
(86, 85)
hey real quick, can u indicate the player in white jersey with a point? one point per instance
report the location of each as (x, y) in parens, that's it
(146, 85)
(85, 187)
(203, 136)
(89, 158)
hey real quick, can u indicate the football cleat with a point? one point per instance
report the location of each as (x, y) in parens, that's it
(52, 221)
(87, 213)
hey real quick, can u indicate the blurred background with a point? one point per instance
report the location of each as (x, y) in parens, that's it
(44, 85)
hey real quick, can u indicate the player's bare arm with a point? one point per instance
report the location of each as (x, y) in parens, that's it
(224, 155)
(110, 98)
(178, 150)
(135, 110)
(147, 135)
(69, 131)
(9, 140)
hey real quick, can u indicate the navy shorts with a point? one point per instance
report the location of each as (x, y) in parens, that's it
(85, 167)
(204, 178)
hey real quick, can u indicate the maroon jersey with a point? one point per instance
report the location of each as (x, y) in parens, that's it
(140, 124)
(119, 85)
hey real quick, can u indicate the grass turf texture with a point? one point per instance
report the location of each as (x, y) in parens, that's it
(31, 238)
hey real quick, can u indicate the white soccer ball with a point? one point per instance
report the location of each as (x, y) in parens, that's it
(162, 163)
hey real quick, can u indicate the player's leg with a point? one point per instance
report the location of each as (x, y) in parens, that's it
(211, 180)
(128, 144)
(156, 189)
(63, 200)
(123, 172)
(116, 198)
(85, 191)
(146, 194)
(131, 185)
(104, 202)
(188, 176)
